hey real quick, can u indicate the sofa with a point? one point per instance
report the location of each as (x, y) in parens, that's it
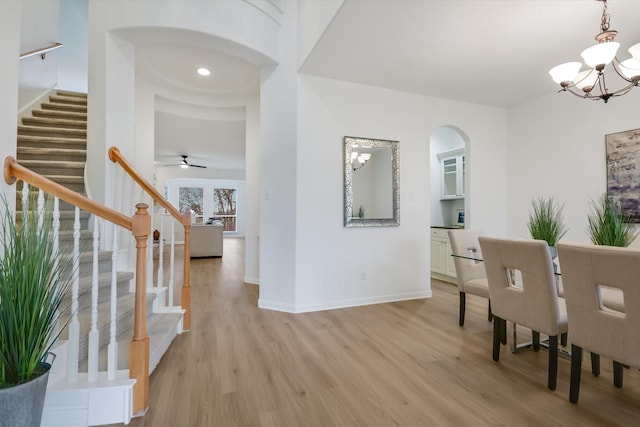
(206, 240)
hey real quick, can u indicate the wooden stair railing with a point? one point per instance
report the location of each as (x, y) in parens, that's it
(140, 227)
(185, 219)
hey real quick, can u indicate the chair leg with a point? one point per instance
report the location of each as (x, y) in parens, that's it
(535, 340)
(617, 374)
(503, 335)
(563, 339)
(576, 369)
(497, 337)
(490, 316)
(462, 308)
(595, 364)
(553, 361)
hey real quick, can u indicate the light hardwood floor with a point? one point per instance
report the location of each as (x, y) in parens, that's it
(398, 364)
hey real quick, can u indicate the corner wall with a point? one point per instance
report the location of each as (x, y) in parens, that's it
(557, 148)
(330, 259)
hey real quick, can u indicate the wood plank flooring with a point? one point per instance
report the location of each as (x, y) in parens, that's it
(397, 364)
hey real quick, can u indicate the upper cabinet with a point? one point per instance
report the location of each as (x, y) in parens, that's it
(452, 167)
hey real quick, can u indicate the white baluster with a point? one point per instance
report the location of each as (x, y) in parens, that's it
(74, 326)
(112, 361)
(25, 202)
(56, 234)
(94, 344)
(40, 209)
(161, 249)
(172, 262)
(25, 199)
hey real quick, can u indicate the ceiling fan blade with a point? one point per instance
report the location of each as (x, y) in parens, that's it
(197, 166)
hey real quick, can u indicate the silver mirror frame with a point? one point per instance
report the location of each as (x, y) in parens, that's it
(349, 221)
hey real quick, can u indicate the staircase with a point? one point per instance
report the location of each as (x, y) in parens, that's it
(53, 143)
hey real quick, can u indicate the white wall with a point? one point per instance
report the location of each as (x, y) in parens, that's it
(314, 16)
(9, 51)
(278, 165)
(39, 28)
(330, 259)
(252, 167)
(557, 148)
(74, 55)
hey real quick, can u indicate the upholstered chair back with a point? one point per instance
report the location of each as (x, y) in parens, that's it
(466, 242)
(589, 273)
(522, 284)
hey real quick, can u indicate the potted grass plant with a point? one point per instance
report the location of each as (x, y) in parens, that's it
(607, 225)
(546, 221)
(33, 283)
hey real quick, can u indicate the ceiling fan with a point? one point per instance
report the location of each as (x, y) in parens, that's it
(185, 164)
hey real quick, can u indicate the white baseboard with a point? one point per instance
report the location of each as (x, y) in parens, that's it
(252, 280)
(353, 302)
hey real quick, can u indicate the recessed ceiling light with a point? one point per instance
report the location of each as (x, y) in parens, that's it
(204, 71)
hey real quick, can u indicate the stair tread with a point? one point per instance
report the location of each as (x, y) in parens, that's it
(49, 150)
(54, 163)
(158, 325)
(64, 107)
(60, 139)
(55, 129)
(67, 99)
(58, 113)
(58, 123)
(63, 92)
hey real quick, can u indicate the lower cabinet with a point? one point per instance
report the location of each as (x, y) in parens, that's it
(442, 265)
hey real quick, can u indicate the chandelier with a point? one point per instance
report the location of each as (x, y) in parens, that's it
(358, 160)
(591, 83)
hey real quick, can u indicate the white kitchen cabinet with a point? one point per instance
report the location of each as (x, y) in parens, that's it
(452, 167)
(442, 265)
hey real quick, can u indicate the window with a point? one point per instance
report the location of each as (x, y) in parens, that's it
(224, 207)
(191, 198)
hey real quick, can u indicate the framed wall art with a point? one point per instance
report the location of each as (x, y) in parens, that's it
(623, 171)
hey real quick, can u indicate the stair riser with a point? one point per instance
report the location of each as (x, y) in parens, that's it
(67, 182)
(104, 294)
(64, 107)
(50, 142)
(47, 170)
(69, 93)
(67, 115)
(124, 324)
(68, 100)
(64, 207)
(52, 131)
(57, 123)
(29, 154)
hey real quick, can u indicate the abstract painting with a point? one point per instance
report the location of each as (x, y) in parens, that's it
(623, 171)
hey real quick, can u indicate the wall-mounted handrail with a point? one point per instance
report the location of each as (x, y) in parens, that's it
(42, 51)
(185, 219)
(14, 171)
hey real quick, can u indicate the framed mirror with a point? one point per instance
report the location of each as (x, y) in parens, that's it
(371, 182)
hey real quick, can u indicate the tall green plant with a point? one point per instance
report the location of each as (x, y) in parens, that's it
(607, 225)
(546, 221)
(33, 283)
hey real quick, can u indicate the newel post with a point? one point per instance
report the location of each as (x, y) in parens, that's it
(186, 286)
(139, 355)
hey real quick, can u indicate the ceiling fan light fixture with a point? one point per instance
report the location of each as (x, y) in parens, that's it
(592, 82)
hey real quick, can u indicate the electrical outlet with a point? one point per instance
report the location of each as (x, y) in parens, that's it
(363, 275)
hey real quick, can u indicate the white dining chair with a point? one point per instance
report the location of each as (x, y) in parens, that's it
(587, 271)
(470, 273)
(533, 301)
